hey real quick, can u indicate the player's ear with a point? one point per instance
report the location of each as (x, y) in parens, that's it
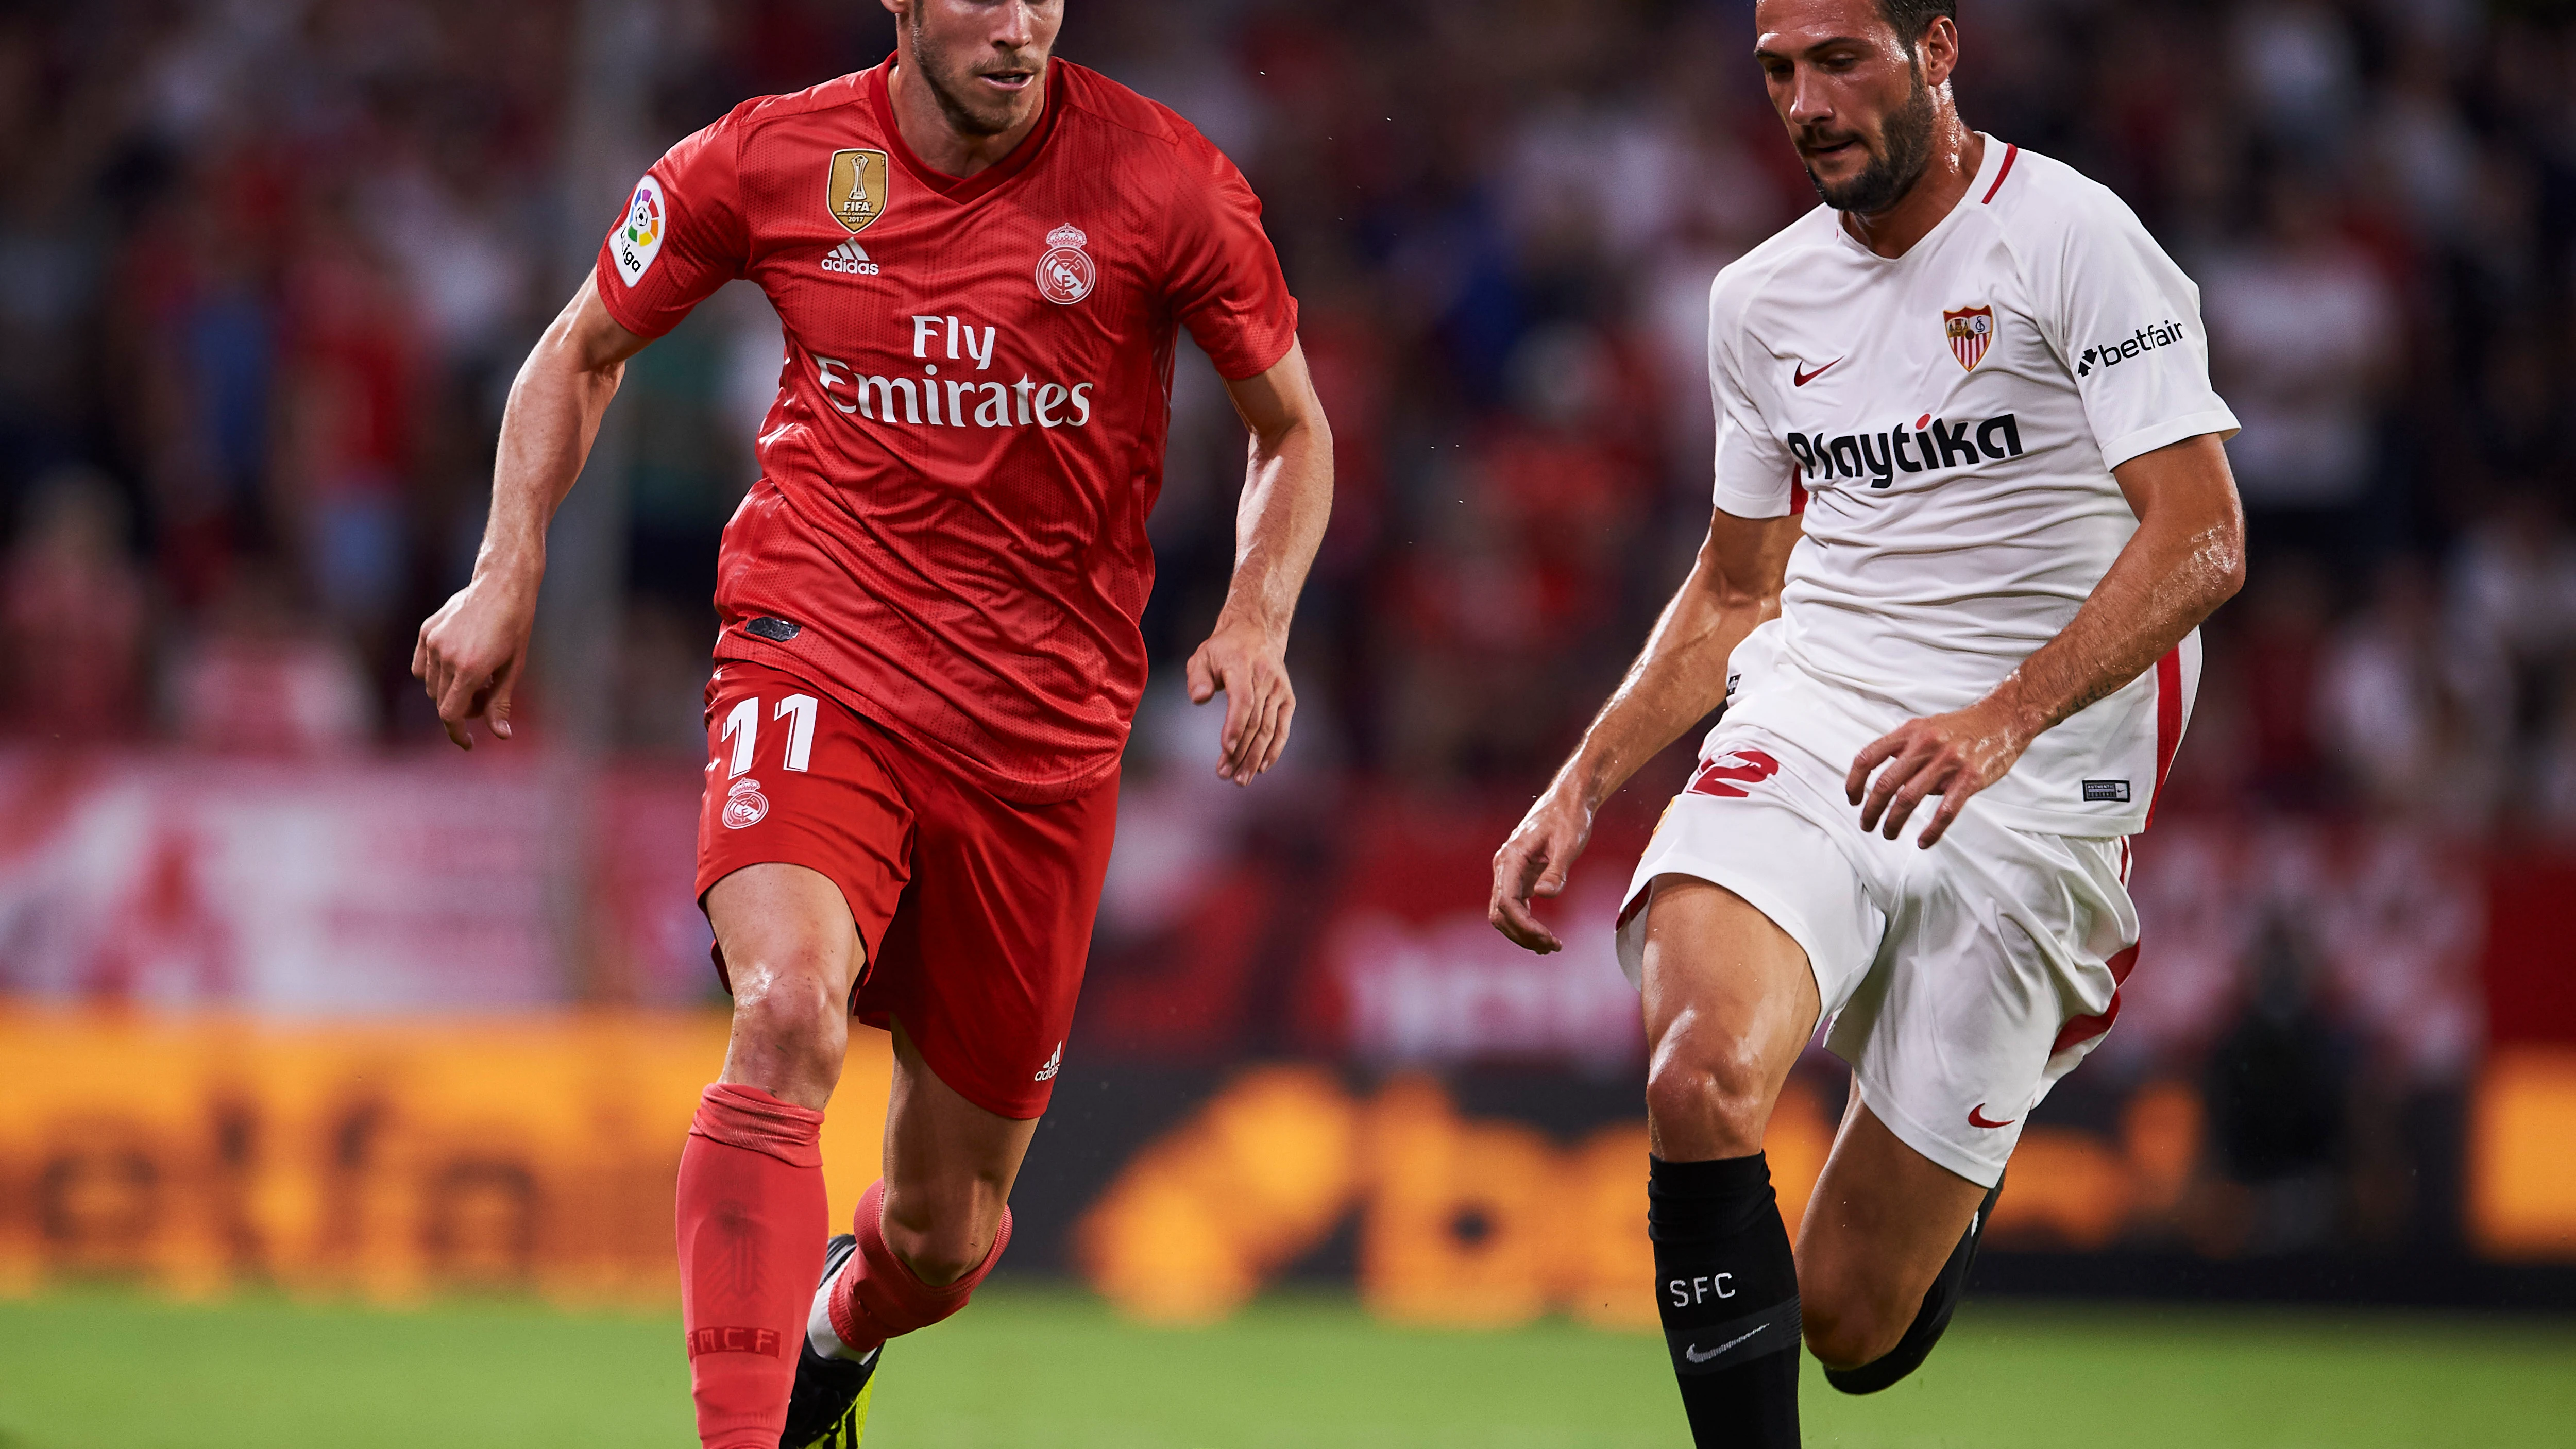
(1939, 49)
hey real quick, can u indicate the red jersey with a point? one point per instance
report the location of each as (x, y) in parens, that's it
(949, 528)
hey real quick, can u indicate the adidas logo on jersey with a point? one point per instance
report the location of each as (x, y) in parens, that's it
(849, 257)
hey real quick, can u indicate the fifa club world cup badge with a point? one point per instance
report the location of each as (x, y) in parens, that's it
(856, 190)
(744, 804)
(1065, 273)
(1969, 329)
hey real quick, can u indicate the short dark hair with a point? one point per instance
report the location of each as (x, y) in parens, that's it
(1910, 18)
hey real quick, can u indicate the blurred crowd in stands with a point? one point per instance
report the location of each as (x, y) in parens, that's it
(267, 266)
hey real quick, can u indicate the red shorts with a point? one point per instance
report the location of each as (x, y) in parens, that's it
(976, 913)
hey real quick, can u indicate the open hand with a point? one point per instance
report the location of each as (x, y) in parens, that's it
(471, 651)
(1952, 755)
(1534, 862)
(1251, 665)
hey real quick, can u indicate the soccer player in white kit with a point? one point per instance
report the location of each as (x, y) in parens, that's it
(1971, 507)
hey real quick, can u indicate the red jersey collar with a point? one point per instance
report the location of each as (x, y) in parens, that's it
(962, 189)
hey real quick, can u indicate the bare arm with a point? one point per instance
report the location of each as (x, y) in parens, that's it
(470, 651)
(2187, 558)
(1676, 681)
(1287, 498)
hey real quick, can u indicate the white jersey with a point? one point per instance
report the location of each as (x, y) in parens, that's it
(1949, 420)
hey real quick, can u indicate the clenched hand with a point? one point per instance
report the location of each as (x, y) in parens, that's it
(470, 654)
(1251, 665)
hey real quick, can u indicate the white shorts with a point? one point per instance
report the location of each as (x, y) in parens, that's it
(1961, 981)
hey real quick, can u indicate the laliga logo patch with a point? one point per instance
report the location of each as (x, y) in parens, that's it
(744, 804)
(1065, 273)
(639, 240)
(1969, 330)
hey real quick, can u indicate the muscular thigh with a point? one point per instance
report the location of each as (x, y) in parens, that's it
(1881, 1222)
(1729, 1002)
(940, 1143)
(775, 922)
(1747, 921)
(784, 936)
(799, 807)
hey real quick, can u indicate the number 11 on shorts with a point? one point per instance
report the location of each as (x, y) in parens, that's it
(742, 727)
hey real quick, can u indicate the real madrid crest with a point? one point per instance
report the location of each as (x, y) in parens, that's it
(1065, 273)
(857, 189)
(1969, 329)
(744, 805)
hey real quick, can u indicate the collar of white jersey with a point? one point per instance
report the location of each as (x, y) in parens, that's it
(1981, 190)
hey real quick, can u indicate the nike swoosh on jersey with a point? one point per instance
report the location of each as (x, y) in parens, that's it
(1695, 1356)
(1800, 377)
(1977, 1117)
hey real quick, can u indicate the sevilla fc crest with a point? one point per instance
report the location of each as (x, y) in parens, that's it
(1969, 329)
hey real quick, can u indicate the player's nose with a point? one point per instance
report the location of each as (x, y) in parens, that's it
(1015, 25)
(1810, 101)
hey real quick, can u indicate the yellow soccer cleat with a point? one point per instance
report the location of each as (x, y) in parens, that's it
(845, 1431)
(828, 1408)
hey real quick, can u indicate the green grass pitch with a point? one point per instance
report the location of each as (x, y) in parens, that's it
(1037, 1367)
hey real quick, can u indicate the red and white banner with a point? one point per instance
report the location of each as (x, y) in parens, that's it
(439, 881)
(344, 887)
(274, 886)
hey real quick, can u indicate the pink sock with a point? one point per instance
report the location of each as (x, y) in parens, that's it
(877, 1297)
(751, 1225)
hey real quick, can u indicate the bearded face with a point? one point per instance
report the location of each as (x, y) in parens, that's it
(1898, 155)
(984, 64)
(1863, 103)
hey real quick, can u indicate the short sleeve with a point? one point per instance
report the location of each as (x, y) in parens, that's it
(682, 235)
(1755, 474)
(2126, 322)
(1224, 279)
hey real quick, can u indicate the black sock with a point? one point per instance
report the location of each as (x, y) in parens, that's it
(1728, 1290)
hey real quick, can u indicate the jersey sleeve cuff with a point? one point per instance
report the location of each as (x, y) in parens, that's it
(1750, 503)
(2116, 451)
(1256, 361)
(619, 299)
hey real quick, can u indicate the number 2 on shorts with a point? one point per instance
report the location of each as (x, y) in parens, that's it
(1718, 776)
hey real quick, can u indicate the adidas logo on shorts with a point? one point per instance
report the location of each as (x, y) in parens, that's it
(849, 257)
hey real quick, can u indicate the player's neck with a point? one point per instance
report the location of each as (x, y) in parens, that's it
(937, 141)
(1957, 155)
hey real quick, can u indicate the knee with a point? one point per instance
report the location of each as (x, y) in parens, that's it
(1847, 1326)
(792, 1018)
(788, 1010)
(1708, 1100)
(937, 1256)
(941, 1242)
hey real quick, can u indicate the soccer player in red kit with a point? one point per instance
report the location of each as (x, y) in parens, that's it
(929, 654)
